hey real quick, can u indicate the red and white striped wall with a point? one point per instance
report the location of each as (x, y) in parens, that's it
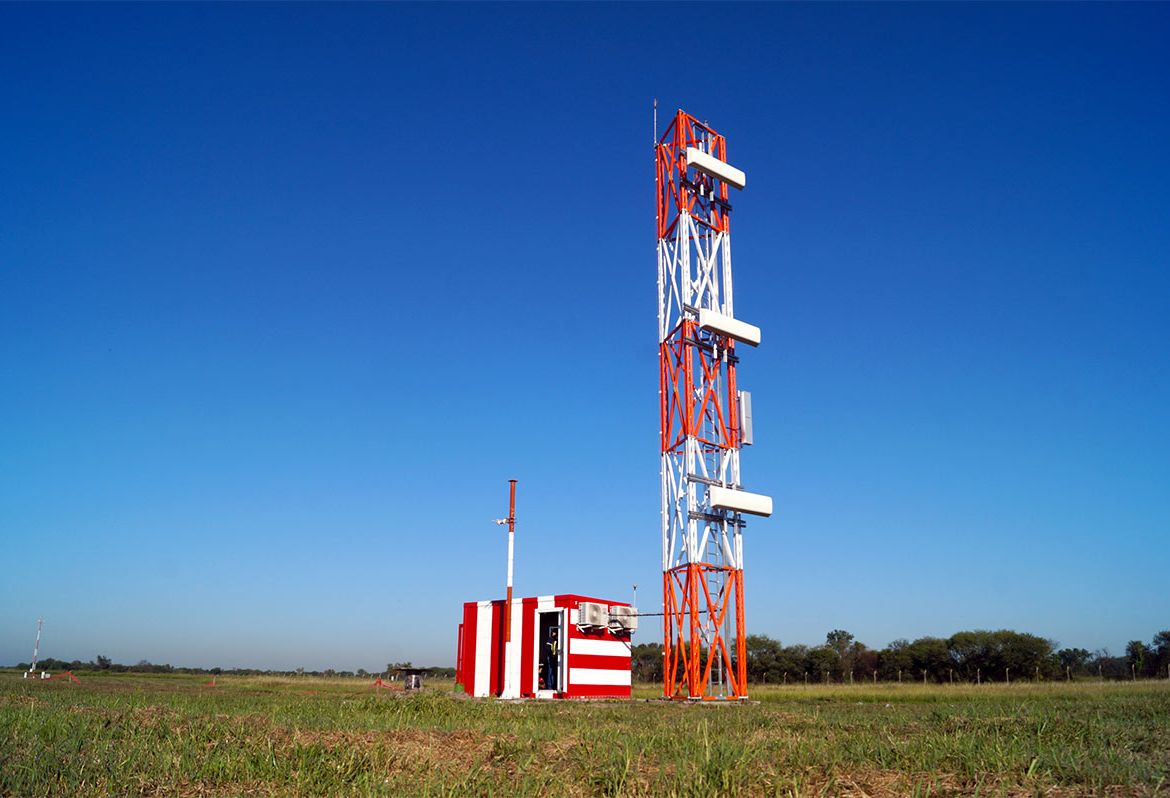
(594, 664)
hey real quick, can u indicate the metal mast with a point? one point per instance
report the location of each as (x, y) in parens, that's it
(510, 690)
(704, 418)
(32, 668)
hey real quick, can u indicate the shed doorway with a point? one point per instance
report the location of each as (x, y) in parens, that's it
(550, 653)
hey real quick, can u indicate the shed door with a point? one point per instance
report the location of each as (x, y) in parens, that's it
(548, 672)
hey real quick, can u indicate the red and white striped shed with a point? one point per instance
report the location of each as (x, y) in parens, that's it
(595, 663)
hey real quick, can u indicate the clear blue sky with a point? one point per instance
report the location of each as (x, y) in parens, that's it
(287, 293)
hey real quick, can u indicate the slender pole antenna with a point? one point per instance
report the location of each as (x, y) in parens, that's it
(32, 668)
(654, 151)
(37, 645)
(511, 549)
(511, 522)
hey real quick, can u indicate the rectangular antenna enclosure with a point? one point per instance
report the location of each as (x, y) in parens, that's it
(713, 167)
(623, 618)
(745, 418)
(740, 501)
(593, 614)
(732, 328)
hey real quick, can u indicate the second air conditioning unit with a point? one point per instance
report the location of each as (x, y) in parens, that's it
(593, 614)
(623, 618)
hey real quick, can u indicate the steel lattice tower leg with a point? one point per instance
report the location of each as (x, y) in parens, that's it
(701, 418)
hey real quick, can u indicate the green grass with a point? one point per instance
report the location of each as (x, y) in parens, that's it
(171, 735)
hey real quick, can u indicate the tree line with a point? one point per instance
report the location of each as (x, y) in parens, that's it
(104, 663)
(972, 656)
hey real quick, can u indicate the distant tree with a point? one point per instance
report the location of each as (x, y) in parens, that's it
(763, 659)
(1027, 654)
(839, 640)
(932, 655)
(894, 659)
(1075, 660)
(793, 662)
(1161, 653)
(824, 664)
(103, 662)
(646, 662)
(1136, 655)
(846, 647)
(974, 655)
(990, 655)
(1108, 666)
(864, 661)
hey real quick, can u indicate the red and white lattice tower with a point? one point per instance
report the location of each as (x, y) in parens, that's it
(705, 419)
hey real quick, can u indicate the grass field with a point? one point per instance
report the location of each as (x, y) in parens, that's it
(172, 735)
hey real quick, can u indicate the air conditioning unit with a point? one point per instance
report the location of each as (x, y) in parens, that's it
(591, 613)
(623, 618)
